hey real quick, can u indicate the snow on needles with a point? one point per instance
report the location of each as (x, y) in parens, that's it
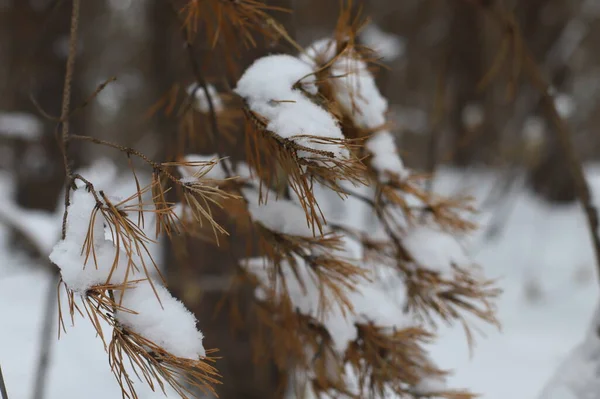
(386, 160)
(354, 85)
(273, 88)
(79, 271)
(355, 89)
(173, 327)
(434, 249)
(387, 45)
(370, 303)
(282, 216)
(153, 317)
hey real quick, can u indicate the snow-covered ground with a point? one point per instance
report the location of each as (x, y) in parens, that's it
(541, 323)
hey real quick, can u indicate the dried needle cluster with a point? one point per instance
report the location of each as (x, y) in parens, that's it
(315, 123)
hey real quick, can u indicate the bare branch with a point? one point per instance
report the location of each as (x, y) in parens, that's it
(66, 100)
(2, 386)
(41, 374)
(129, 151)
(94, 94)
(66, 103)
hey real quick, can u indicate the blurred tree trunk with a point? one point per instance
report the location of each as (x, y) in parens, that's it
(473, 136)
(37, 68)
(123, 33)
(550, 177)
(199, 272)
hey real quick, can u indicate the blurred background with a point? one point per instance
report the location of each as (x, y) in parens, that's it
(464, 109)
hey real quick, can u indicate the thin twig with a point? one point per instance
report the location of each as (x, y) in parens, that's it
(66, 103)
(66, 99)
(129, 151)
(3, 385)
(94, 94)
(41, 375)
(81, 106)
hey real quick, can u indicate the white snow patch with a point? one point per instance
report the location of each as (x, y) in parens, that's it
(168, 324)
(386, 160)
(434, 249)
(356, 91)
(271, 88)
(201, 100)
(387, 45)
(20, 125)
(278, 214)
(79, 270)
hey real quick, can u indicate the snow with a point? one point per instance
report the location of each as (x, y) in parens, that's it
(370, 301)
(577, 377)
(304, 291)
(281, 215)
(79, 355)
(387, 45)
(20, 125)
(354, 85)
(271, 78)
(303, 118)
(549, 245)
(565, 105)
(270, 88)
(201, 100)
(80, 270)
(386, 159)
(430, 386)
(434, 249)
(155, 312)
(355, 89)
(43, 228)
(170, 325)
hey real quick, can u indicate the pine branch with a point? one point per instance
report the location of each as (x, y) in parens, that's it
(131, 151)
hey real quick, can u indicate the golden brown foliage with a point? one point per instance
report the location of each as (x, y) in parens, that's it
(380, 359)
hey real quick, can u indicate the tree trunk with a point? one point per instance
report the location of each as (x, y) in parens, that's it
(198, 272)
(550, 177)
(473, 137)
